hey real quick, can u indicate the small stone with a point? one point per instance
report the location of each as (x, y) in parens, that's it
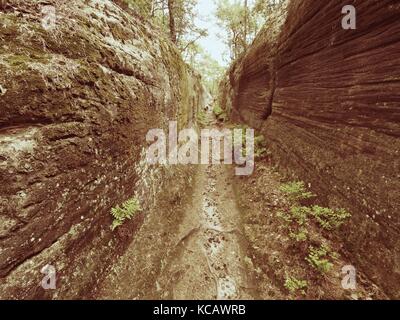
(2, 90)
(354, 296)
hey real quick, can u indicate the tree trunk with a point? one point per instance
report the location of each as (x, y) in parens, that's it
(172, 30)
(246, 22)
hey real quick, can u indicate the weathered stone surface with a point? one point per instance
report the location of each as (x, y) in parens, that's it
(76, 102)
(335, 122)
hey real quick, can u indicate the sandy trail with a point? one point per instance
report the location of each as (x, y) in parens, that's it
(209, 260)
(202, 256)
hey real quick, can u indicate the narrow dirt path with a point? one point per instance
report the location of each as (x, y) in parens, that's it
(203, 257)
(209, 261)
(224, 240)
(200, 256)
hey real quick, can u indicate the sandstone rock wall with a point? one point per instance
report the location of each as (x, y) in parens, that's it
(76, 102)
(328, 102)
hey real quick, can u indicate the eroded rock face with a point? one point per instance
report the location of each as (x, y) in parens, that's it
(327, 100)
(76, 102)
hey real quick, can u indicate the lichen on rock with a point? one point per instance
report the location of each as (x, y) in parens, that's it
(75, 106)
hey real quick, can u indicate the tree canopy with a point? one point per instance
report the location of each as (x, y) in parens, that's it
(240, 21)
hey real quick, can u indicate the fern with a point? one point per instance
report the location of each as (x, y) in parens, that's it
(329, 219)
(318, 258)
(293, 284)
(201, 118)
(299, 235)
(125, 212)
(296, 191)
(296, 221)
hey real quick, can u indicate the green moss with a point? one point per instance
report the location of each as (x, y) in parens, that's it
(142, 6)
(201, 118)
(219, 113)
(17, 60)
(20, 60)
(179, 72)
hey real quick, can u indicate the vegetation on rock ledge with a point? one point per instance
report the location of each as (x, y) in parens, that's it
(124, 212)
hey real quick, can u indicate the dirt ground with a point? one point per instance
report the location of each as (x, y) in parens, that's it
(209, 262)
(223, 240)
(204, 260)
(275, 256)
(195, 251)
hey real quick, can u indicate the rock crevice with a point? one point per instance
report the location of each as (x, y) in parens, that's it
(76, 103)
(335, 116)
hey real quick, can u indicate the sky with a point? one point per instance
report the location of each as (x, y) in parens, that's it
(213, 44)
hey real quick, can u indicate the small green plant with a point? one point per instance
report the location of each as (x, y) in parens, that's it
(240, 140)
(219, 113)
(296, 220)
(217, 110)
(295, 285)
(260, 153)
(318, 258)
(299, 235)
(295, 214)
(300, 214)
(296, 191)
(201, 118)
(329, 219)
(260, 147)
(128, 209)
(285, 216)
